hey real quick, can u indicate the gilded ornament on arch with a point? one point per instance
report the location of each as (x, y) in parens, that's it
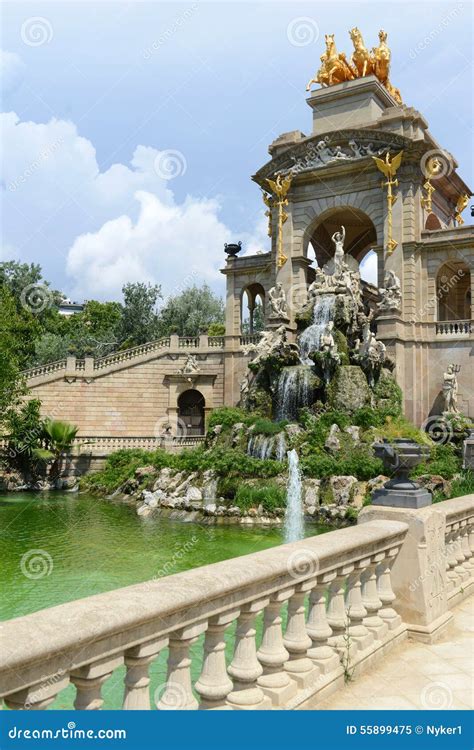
(389, 167)
(461, 204)
(280, 187)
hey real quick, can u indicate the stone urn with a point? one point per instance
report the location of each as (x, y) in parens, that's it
(399, 457)
(232, 249)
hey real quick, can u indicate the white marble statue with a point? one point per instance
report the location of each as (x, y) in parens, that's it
(327, 343)
(190, 367)
(277, 300)
(450, 389)
(391, 293)
(338, 239)
(270, 342)
(318, 285)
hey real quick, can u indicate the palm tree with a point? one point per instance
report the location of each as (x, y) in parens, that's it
(59, 437)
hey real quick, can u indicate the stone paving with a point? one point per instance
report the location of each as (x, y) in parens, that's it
(418, 675)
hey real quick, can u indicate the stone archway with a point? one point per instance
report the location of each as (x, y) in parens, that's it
(191, 411)
(252, 298)
(361, 234)
(453, 291)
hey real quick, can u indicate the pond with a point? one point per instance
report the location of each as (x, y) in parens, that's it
(63, 546)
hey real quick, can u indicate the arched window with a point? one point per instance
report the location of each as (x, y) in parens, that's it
(361, 235)
(453, 291)
(252, 309)
(191, 405)
(432, 222)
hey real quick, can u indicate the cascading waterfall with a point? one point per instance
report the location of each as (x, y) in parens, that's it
(263, 446)
(310, 339)
(294, 518)
(294, 390)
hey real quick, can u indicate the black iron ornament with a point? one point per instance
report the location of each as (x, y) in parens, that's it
(232, 249)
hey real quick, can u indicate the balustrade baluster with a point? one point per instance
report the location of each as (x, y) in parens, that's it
(275, 682)
(37, 697)
(468, 552)
(453, 576)
(297, 640)
(460, 568)
(337, 617)
(319, 629)
(137, 680)
(178, 693)
(214, 684)
(355, 608)
(385, 591)
(371, 599)
(245, 668)
(89, 680)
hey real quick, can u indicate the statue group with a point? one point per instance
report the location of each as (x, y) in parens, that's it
(335, 68)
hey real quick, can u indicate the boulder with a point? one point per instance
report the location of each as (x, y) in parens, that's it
(234, 510)
(144, 471)
(311, 488)
(332, 443)
(310, 510)
(434, 483)
(209, 485)
(354, 432)
(164, 479)
(349, 389)
(210, 510)
(143, 510)
(342, 488)
(359, 493)
(376, 483)
(292, 430)
(193, 494)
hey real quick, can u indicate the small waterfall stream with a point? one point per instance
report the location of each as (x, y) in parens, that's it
(264, 446)
(294, 391)
(310, 339)
(294, 518)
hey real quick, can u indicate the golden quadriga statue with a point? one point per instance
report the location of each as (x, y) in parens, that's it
(335, 68)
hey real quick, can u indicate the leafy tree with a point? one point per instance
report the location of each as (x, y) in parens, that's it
(139, 322)
(191, 312)
(24, 428)
(216, 329)
(59, 437)
(13, 335)
(51, 347)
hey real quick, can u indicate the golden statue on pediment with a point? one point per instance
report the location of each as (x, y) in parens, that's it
(335, 68)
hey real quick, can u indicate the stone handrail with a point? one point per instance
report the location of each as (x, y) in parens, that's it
(101, 363)
(147, 442)
(250, 338)
(131, 626)
(453, 327)
(459, 538)
(34, 372)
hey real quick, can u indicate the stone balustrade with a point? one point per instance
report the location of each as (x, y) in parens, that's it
(453, 328)
(341, 579)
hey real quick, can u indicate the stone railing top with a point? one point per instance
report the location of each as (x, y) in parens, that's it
(106, 624)
(456, 509)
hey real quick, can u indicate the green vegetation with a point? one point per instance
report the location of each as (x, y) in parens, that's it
(227, 416)
(269, 496)
(444, 461)
(265, 426)
(463, 485)
(58, 436)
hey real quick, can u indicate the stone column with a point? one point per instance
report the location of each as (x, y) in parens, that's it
(356, 612)
(137, 681)
(37, 697)
(272, 654)
(297, 641)
(89, 680)
(318, 628)
(245, 668)
(214, 684)
(385, 591)
(178, 693)
(418, 573)
(371, 600)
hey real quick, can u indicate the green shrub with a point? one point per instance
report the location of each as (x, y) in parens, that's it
(367, 417)
(319, 465)
(270, 496)
(359, 463)
(463, 484)
(227, 487)
(227, 416)
(443, 460)
(216, 329)
(263, 426)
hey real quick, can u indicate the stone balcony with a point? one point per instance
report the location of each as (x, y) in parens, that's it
(348, 598)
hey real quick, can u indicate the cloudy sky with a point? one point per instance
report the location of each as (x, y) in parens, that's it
(130, 130)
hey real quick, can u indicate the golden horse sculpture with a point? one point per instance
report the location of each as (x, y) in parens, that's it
(334, 66)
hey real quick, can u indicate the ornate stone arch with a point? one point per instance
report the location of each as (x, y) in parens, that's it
(363, 227)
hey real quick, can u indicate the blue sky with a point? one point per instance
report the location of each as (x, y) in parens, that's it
(101, 90)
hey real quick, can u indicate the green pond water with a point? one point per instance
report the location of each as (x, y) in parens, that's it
(93, 546)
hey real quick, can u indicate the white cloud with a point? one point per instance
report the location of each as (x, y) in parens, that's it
(104, 228)
(11, 71)
(169, 244)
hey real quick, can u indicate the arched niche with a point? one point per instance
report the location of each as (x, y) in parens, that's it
(361, 235)
(191, 411)
(252, 309)
(453, 291)
(432, 222)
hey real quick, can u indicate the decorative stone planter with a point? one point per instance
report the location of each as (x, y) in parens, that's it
(399, 457)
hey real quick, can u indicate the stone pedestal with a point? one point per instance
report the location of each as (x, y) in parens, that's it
(395, 498)
(275, 321)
